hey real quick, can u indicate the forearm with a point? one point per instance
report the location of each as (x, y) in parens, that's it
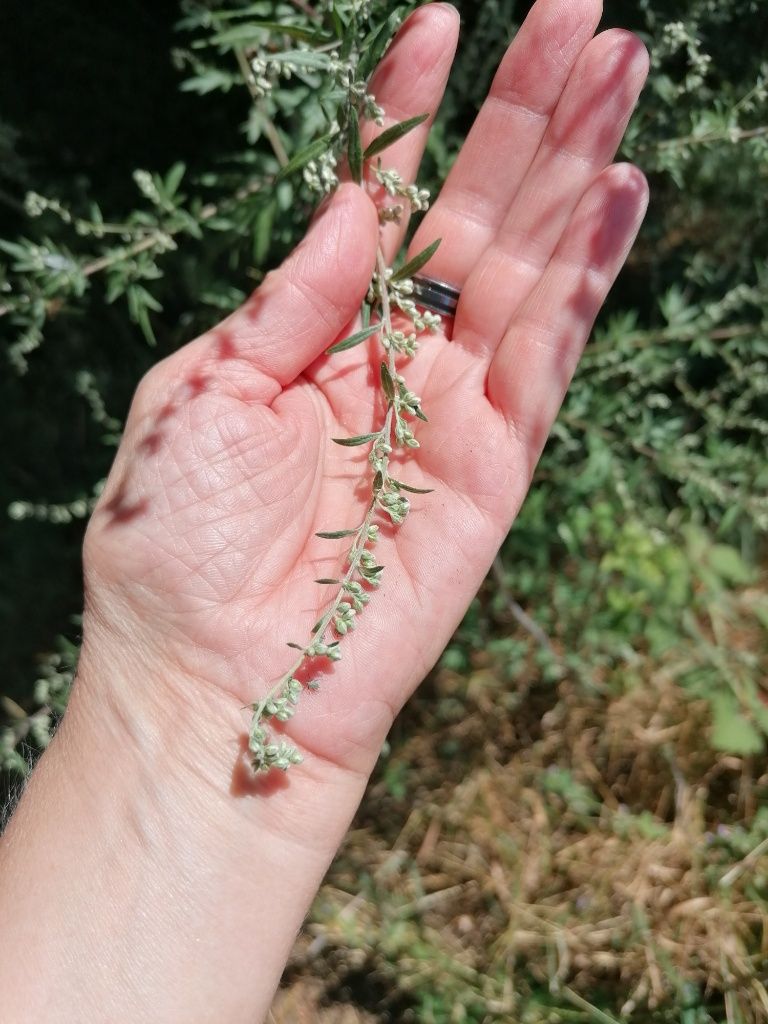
(141, 878)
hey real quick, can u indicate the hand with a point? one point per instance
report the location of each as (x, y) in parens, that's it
(203, 547)
(201, 556)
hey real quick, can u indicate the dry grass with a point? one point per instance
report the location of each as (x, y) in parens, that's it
(302, 1003)
(550, 854)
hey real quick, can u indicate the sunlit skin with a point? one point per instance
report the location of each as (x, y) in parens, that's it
(201, 555)
(203, 545)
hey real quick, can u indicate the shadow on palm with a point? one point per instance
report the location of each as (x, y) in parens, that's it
(206, 533)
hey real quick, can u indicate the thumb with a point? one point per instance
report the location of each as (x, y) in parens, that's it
(302, 306)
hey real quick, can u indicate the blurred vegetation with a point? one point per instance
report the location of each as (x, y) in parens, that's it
(569, 822)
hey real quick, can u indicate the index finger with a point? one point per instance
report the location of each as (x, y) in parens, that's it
(409, 81)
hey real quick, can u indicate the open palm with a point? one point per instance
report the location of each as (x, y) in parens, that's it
(202, 552)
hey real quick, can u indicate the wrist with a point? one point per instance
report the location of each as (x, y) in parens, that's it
(173, 890)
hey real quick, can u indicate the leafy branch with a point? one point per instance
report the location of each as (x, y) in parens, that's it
(389, 290)
(50, 275)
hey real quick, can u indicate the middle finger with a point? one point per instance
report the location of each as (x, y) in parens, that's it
(582, 138)
(505, 136)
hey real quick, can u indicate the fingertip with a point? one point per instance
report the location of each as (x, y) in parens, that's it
(629, 185)
(607, 219)
(444, 12)
(357, 208)
(542, 54)
(425, 43)
(618, 47)
(348, 205)
(638, 181)
(356, 231)
(440, 17)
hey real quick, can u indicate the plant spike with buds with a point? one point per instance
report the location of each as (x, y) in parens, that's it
(389, 290)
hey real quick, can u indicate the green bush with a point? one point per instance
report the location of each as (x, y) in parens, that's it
(138, 206)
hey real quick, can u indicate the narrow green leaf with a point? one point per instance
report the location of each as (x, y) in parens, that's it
(365, 314)
(307, 35)
(373, 571)
(173, 179)
(414, 266)
(208, 82)
(407, 487)
(387, 383)
(393, 134)
(330, 583)
(338, 24)
(250, 34)
(302, 59)
(296, 647)
(348, 40)
(354, 339)
(376, 42)
(420, 415)
(262, 230)
(355, 148)
(353, 442)
(300, 159)
(378, 482)
(335, 534)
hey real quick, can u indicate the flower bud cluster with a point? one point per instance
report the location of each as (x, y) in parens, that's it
(318, 649)
(407, 400)
(372, 111)
(676, 36)
(404, 434)
(266, 755)
(357, 595)
(405, 344)
(422, 319)
(392, 183)
(368, 569)
(35, 205)
(146, 185)
(400, 292)
(395, 505)
(344, 619)
(380, 452)
(266, 70)
(283, 705)
(345, 74)
(417, 199)
(321, 174)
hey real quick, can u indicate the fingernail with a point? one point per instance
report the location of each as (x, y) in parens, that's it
(449, 7)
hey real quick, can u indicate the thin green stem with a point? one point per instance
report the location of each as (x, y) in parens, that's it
(719, 135)
(322, 628)
(270, 131)
(361, 535)
(386, 319)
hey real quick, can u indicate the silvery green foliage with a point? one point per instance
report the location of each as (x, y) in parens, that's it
(24, 731)
(347, 64)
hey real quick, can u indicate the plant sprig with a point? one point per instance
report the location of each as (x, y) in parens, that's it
(389, 290)
(363, 571)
